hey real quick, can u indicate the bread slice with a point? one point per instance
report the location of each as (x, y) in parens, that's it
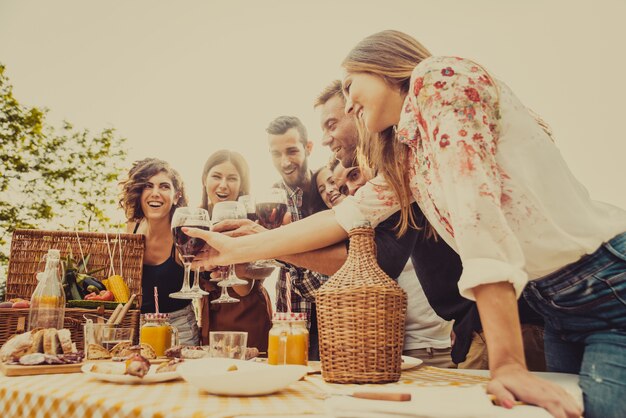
(37, 346)
(123, 349)
(16, 346)
(65, 337)
(50, 341)
(97, 352)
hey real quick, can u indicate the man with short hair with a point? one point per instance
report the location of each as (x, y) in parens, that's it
(290, 148)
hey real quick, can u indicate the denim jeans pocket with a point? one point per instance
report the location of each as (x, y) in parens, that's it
(594, 299)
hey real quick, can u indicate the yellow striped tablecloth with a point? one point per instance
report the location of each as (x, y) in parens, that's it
(76, 395)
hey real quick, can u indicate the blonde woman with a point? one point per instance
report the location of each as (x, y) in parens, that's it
(492, 184)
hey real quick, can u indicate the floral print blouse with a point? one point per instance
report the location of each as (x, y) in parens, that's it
(488, 178)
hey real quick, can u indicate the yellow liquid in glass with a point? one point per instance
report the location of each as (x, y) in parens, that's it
(295, 350)
(159, 337)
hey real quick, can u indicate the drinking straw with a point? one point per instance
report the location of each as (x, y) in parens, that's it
(110, 255)
(119, 243)
(288, 291)
(156, 299)
(80, 247)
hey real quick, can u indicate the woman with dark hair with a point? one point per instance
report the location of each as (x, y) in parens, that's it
(150, 196)
(225, 177)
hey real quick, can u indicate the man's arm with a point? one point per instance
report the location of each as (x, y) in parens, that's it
(325, 260)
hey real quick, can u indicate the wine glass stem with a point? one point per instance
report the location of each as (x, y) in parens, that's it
(196, 281)
(186, 276)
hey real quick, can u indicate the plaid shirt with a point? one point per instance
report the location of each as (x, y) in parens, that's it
(303, 282)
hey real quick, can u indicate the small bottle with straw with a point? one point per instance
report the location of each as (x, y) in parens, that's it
(156, 329)
(289, 337)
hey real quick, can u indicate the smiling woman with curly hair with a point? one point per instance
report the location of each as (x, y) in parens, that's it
(149, 198)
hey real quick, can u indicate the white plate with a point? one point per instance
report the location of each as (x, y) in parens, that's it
(250, 378)
(151, 377)
(410, 362)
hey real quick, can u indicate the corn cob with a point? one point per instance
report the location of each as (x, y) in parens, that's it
(118, 287)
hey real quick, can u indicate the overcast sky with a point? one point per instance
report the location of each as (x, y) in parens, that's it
(183, 79)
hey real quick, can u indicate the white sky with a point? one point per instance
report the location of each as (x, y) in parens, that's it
(183, 79)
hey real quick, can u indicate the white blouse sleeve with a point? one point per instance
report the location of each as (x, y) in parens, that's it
(456, 104)
(374, 202)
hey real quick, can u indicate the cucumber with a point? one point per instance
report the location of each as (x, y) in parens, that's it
(93, 304)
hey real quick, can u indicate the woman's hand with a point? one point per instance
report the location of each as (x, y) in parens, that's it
(219, 251)
(238, 227)
(513, 382)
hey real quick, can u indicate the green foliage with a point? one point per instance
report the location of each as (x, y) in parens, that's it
(53, 178)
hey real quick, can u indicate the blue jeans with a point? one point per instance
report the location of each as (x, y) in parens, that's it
(584, 306)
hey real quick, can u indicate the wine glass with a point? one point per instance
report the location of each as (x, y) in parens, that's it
(258, 265)
(223, 211)
(248, 201)
(187, 246)
(271, 207)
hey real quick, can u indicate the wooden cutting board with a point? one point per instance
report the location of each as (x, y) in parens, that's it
(19, 370)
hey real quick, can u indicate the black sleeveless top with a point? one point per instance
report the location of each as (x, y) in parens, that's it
(168, 278)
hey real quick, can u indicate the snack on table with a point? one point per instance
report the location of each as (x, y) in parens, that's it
(126, 349)
(251, 352)
(137, 365)
(193, 352)
(51, 343)
(187, 352)
(174, 352)
(108, 368)
(65, 338)
(16, 347)
(232, 368)
(97, 352)
(169, 366)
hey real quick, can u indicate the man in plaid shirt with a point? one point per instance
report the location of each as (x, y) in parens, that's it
(290, 148)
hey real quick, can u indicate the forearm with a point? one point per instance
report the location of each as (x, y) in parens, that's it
(497, 306)
(324, 260)
(316, 231)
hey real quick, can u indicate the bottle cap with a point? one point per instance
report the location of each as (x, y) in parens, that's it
(53, 254)
(156, 316)
(289, 316)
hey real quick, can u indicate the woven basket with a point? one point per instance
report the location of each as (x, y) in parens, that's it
(28, 246)
(361, 315)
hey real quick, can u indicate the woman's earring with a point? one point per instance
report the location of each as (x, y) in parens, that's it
(395, 129)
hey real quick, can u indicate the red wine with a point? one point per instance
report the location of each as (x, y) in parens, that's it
(271, 214)
(252, 216)
(186, 245)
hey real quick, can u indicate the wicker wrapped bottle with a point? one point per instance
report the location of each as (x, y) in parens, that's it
(361, 315)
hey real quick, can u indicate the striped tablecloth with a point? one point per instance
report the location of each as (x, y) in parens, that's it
(76, 395)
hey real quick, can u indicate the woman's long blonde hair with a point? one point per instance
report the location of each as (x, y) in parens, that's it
(391, 55)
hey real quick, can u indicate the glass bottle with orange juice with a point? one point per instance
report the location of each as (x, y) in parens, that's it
(47, 303)
(288, 339)
(158, 332)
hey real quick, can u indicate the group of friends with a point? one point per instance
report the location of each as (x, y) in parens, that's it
(507, 262)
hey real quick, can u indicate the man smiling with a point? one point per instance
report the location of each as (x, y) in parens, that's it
(290, 148)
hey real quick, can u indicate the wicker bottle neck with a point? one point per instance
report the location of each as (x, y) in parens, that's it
(362, 243)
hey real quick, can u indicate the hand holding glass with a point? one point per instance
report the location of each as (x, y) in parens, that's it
(189, 247)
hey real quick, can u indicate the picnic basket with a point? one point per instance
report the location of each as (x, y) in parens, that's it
(361, 314)
(28, 246)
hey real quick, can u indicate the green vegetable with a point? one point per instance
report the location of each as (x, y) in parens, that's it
(72, 290)
(92, 304)
(85, 281)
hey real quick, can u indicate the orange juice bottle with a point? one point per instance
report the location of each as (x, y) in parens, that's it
(47, 303)
(158, 332)
(288, 339)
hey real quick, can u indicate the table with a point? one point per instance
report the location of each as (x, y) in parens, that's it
(76, 395)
